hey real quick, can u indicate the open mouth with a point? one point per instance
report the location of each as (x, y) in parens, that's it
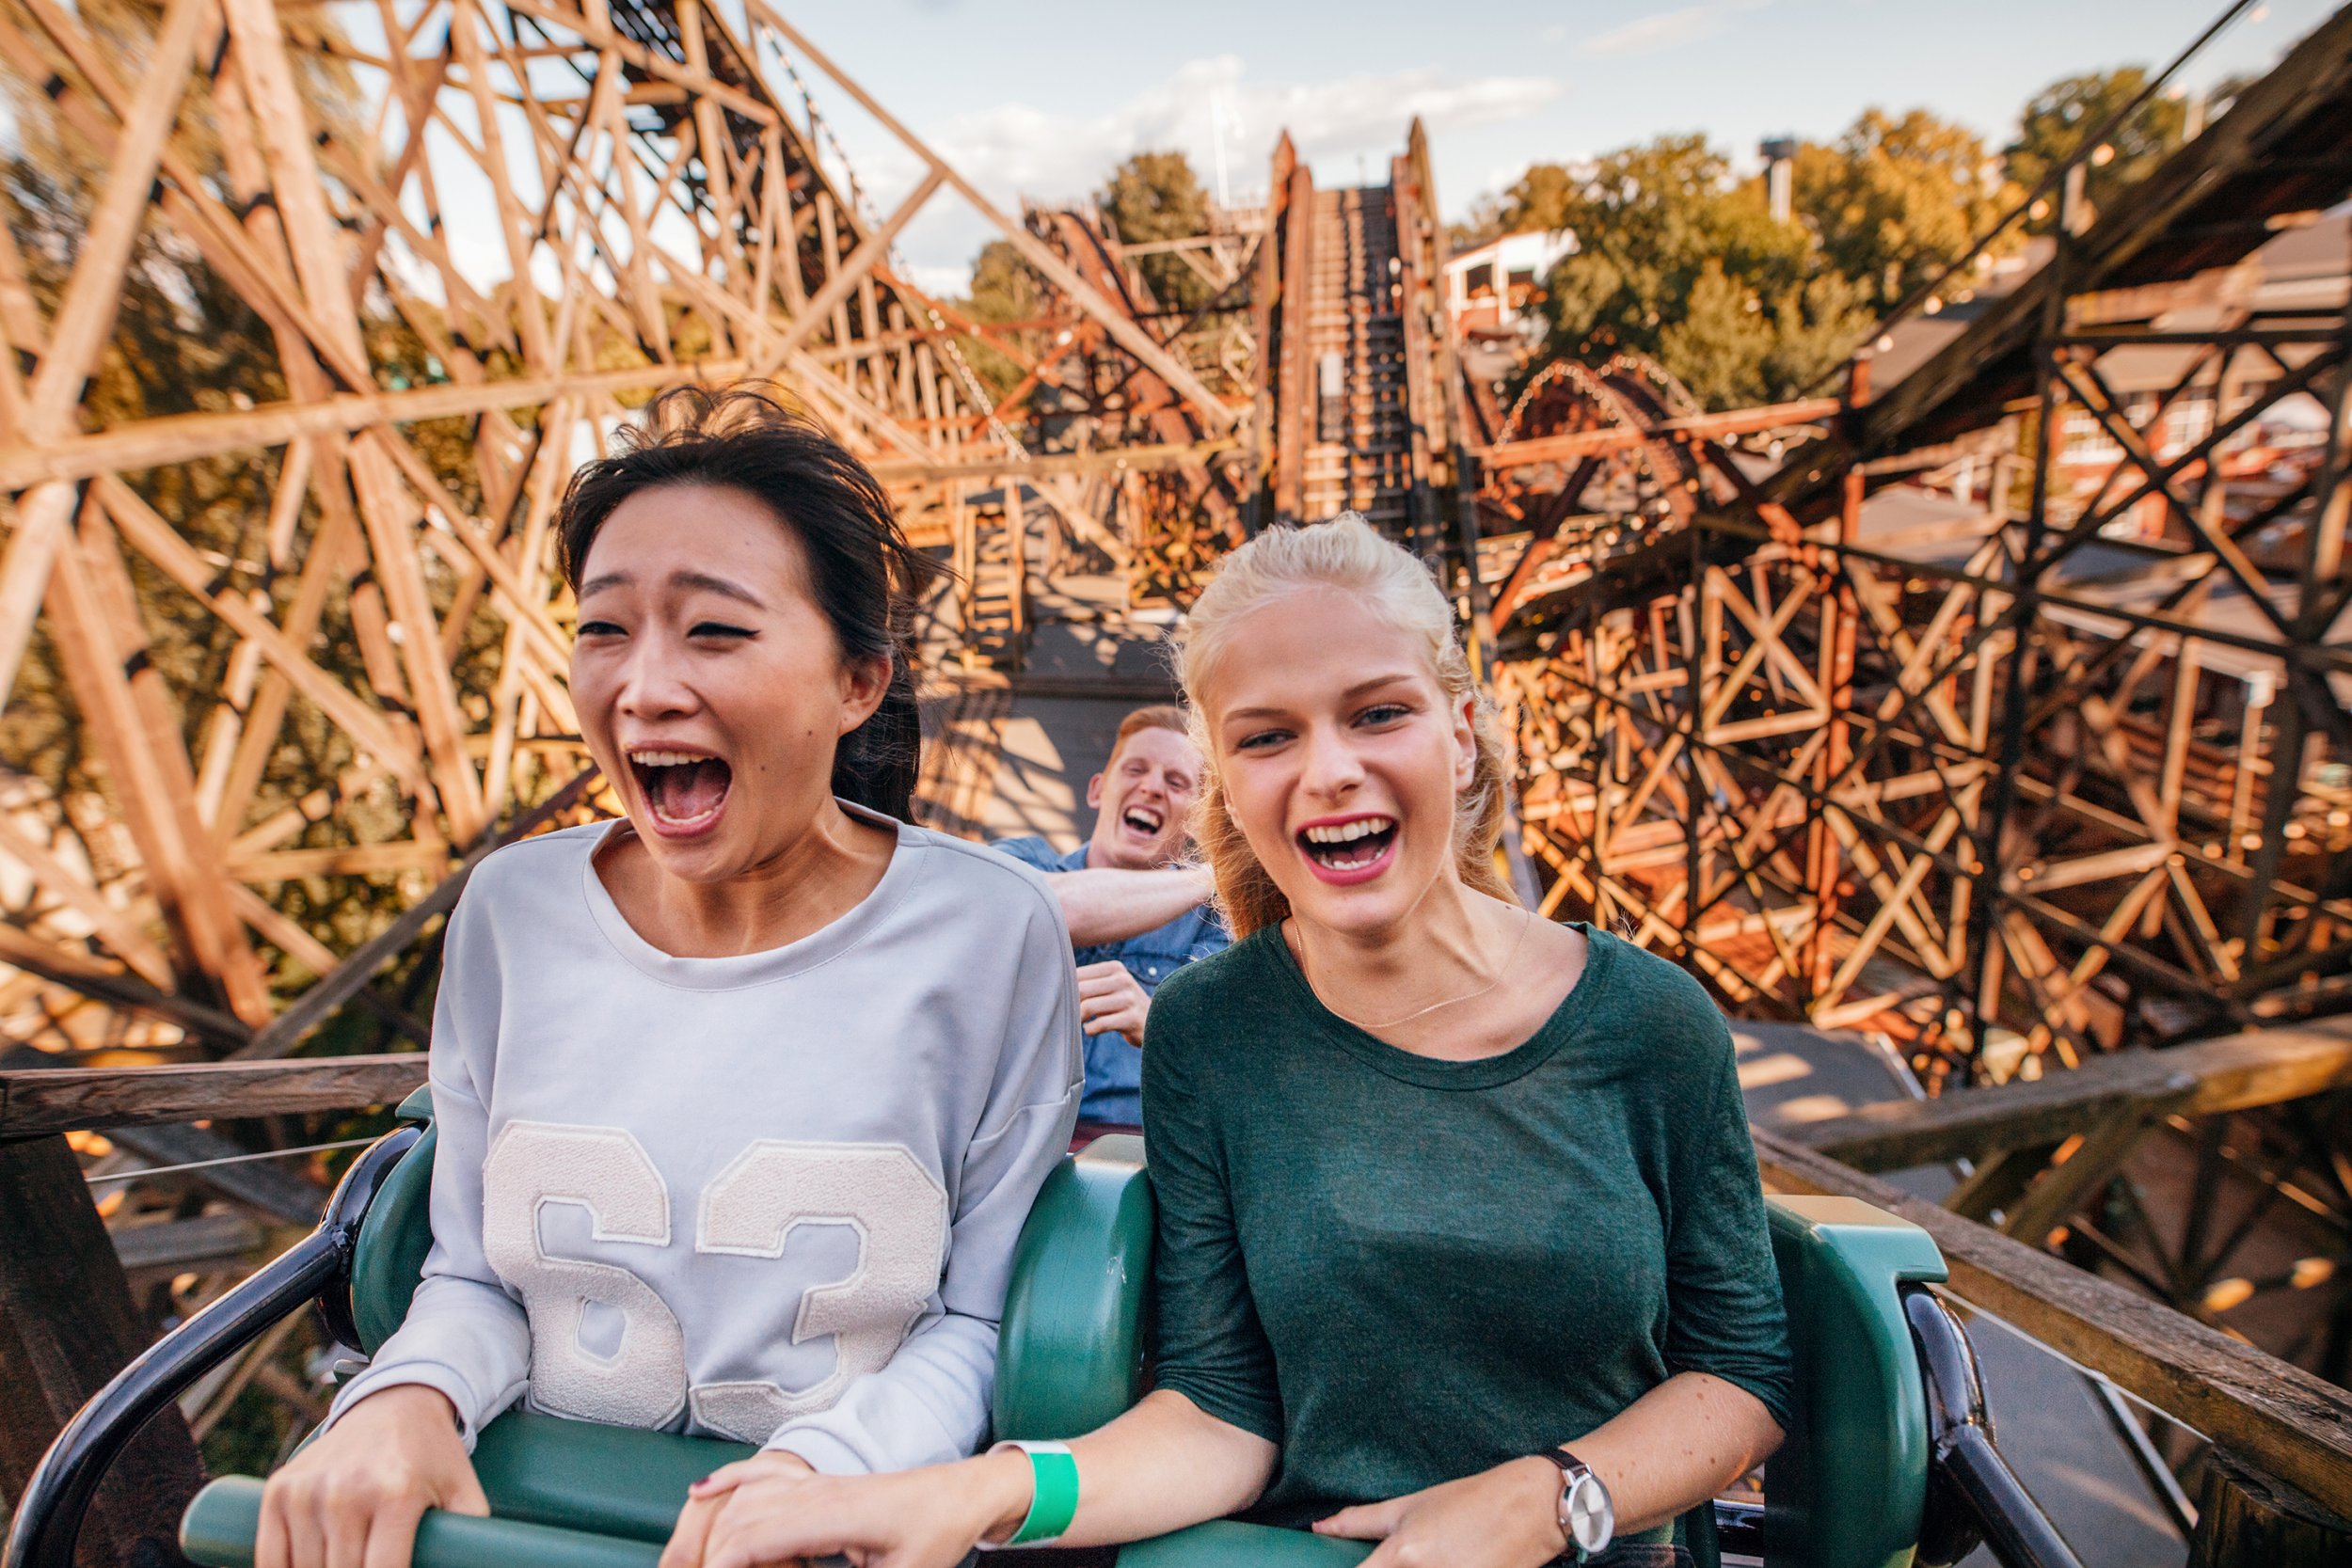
(684, 790)
(1348, 850)
(1143, 821)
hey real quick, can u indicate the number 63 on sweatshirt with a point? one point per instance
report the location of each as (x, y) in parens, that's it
(772, 1199)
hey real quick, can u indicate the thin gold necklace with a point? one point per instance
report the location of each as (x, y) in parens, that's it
(1527, 925)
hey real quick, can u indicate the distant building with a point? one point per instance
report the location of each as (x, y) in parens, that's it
(1496, 292)
(2172, 393)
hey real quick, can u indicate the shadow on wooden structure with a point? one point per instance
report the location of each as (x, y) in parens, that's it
(1947, 782)
(2069, 766)
(318, 639)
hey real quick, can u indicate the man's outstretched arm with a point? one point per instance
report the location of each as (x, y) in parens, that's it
(1106, 904)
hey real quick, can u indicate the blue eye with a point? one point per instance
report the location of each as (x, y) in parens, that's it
(1383, 713)
(1261, 741)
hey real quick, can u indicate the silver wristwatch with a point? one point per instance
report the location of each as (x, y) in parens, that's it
(1587, 1517)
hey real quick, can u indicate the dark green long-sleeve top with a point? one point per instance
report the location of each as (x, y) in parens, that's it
(1406, 1271)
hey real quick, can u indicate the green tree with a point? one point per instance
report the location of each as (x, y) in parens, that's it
(1719, 342)
(1814, 326)
(1155, 196)
(1675, 259)
(1679, 260)
(1483, 223)
(2057, 119)
(1004, 288)
(1647, 219)
(1896, 200)
(1538, 199)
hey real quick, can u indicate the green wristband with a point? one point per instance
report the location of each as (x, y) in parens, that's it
(1053, 1493)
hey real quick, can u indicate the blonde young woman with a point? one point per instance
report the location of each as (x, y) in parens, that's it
(1461, 1247)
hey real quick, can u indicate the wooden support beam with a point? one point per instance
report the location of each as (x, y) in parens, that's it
(1591, 443)
(2062, 1188)
(99, 652)
(35, 1102)
(172, 1245)
(856, 269)
(2246, 1520)
(88, 312)
(43, 523)
(592, 24)
(1107, 460)
(82, 319)
(269, 1185)
(2264, 1067)
(315, 1005)
(66, 1325)
(2290, 1423)
(94, 977)
(1999, 1178)
(122, 932)
(186, 437)
(1130, 336)
(1294, 373)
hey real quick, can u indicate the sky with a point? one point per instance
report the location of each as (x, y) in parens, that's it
(1041, 97)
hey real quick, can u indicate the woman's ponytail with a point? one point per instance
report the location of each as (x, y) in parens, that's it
(878, 763)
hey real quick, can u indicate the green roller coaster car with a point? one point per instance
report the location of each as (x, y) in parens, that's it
(1889, 1462)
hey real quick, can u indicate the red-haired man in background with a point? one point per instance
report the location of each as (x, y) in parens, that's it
(1135, 913)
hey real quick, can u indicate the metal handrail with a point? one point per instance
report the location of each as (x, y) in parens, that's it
(48, 1520)
(1972, 1493)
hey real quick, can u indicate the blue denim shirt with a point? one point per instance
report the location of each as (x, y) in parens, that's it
(1114, 1090)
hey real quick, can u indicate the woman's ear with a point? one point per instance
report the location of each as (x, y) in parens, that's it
(863, 684)
(1466, 742)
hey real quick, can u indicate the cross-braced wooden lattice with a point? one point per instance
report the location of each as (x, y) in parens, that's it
(280, 656)
(2069, 764)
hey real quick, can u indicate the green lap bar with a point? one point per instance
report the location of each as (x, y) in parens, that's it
(219, 1530)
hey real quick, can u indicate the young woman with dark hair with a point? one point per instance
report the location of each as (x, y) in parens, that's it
(862, 574)
(741, 1100)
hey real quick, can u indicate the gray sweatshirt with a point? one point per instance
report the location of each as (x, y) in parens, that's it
(772, 1199)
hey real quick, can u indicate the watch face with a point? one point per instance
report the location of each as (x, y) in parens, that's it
(1592, 1521)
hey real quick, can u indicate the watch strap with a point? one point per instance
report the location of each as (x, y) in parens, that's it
(1570, 1466)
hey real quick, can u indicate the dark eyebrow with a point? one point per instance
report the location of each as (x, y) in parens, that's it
(702, 580)
(720, 586)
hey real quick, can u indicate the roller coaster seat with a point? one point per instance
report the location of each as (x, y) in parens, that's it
(1846, 1491)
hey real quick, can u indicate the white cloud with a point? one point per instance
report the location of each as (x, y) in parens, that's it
(939, 279)
(1668, 29)
(1017, 150)
(1020, 150)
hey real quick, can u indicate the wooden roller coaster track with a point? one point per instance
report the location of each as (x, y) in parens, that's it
(281, 667)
